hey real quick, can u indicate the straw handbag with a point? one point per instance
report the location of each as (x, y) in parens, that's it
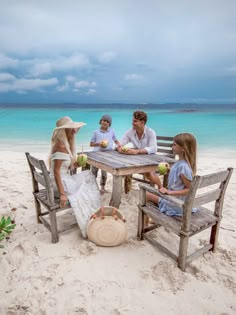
(107, 227)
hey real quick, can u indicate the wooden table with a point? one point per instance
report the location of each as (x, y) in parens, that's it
(120, 165)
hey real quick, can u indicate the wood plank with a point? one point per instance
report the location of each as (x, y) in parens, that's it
(39, 178)
(161, 218)
(164, 151)
(212, 179)
(207, 197)
(116, 192)
(165, 144)
(133, 160)
(199, 252)
(35, 162)
(53, 224)
(174, 200)
(114, 159)
(167, 138)
(45, 223)
(161, 247)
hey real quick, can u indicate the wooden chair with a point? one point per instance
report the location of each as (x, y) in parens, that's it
(164, 147)
(44, 196)
(190, 223)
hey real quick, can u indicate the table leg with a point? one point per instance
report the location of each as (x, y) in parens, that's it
(116, 191)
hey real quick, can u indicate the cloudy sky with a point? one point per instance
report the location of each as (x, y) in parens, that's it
(145, 51)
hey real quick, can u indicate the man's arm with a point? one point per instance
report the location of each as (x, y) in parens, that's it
(126, 138)
(152, 142)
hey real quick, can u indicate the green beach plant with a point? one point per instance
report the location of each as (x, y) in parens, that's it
(6, 228)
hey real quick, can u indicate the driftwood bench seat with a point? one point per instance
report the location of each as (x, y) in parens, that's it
(47, 205)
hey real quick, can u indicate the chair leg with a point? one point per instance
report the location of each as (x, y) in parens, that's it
(214, 235)
(140, 225)
(38, 209)
(127, 183)
(183, 250)
(165, 180)
(53, 223)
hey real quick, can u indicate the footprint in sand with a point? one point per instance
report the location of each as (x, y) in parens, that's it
(87, 248)
(199, 274)
(79, 311)
(168, 277)
(18, 253)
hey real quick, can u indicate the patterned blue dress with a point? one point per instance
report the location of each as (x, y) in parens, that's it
(175, 183)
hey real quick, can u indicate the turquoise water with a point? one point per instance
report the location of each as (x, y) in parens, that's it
(26, 127)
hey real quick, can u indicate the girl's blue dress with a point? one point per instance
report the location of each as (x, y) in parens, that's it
(175, 183)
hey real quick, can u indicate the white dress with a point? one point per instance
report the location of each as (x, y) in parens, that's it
(81, 189)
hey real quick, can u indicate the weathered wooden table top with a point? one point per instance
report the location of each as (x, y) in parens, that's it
(123, 164)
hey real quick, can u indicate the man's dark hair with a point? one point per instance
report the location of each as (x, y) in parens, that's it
(138, 114)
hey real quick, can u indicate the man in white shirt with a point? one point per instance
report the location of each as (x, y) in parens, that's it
(143, 140)
(142, 137)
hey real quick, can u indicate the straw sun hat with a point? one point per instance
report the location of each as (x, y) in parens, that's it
(66, 122)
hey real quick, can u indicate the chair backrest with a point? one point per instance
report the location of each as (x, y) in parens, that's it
(214, 186)
(164, 146)
(40, 175)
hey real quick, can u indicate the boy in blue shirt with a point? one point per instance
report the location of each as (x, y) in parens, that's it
(102, 140)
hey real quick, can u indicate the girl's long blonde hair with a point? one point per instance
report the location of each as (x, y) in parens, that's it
(61, 136)
(189, 145)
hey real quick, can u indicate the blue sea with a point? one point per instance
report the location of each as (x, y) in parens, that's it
(29, 127)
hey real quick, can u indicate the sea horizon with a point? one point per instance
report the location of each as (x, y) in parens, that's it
(192, 105)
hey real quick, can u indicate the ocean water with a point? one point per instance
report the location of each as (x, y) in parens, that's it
(29, 127)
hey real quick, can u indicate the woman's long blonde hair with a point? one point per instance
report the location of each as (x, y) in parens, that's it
(61, 136)
(189, 145)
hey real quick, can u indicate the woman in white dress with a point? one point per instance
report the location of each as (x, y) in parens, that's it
(81, 189)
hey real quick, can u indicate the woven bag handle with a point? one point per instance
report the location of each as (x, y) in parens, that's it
(102, 214)
(115, 216)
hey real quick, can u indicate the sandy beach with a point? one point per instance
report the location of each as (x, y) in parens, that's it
(75, 276)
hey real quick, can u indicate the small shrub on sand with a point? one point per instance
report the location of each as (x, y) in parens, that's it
(6, 228)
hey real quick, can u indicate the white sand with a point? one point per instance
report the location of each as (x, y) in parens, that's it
(76, 277)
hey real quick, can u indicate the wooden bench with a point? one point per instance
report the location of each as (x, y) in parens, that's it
(44, 196)
(190, 223)
(164, 147)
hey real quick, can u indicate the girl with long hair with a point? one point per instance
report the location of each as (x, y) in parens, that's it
(180, 175)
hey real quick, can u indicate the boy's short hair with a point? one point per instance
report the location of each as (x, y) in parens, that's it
(140, 115)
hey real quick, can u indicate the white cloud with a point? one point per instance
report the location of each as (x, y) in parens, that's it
(231, 70)
(70, 78)
(59, 63)
(133, 77)
(107, 57)
(27, 84)
(63, 88)
(7, 62)
(21, 92)
(91, 92)
(6, 77)
(85, 84)
(84, 91)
